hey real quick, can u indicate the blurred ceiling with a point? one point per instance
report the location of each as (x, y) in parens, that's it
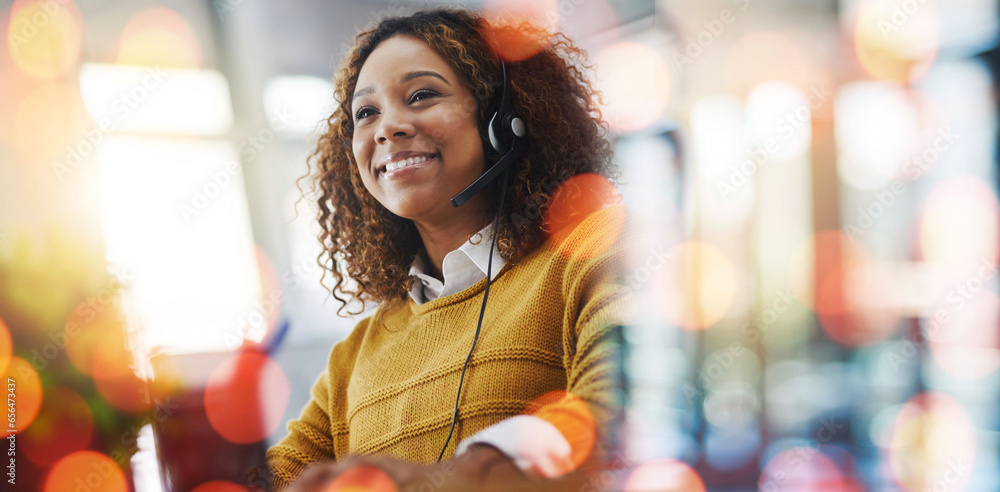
(309, 36)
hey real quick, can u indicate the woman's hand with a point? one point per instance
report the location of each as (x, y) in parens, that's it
(481, 465)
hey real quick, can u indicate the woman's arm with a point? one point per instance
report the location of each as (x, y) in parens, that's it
(308, 441)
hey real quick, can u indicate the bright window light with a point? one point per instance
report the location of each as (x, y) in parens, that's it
(156, 100)
(175, 218)
(299, 104)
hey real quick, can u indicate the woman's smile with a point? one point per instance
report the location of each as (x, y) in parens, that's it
(403, 164)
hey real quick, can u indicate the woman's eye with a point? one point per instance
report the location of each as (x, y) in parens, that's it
(422, 94)
(363, 113)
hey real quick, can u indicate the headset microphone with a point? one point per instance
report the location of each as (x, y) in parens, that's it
(506, 132)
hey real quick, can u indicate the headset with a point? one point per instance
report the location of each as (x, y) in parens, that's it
(507, 133)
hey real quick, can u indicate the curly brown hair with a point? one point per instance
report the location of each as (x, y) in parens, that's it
(364, 241)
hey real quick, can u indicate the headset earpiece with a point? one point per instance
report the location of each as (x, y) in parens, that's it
(510, 127)
(504, 125)
(506, 133)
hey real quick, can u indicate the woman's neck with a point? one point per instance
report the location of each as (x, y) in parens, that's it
(441, 239)
(447, 234)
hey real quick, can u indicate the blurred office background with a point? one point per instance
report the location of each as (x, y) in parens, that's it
(815, 182)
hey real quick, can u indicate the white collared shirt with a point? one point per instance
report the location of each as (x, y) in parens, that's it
(461, 269)
(533, 444)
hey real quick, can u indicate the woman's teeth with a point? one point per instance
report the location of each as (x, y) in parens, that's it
(392, 166)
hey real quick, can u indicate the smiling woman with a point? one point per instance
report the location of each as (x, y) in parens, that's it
(426, 109)
(550, 92)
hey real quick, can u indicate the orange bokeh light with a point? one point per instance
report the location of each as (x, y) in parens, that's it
(894, 42)
(362, 479)
(159, 36)
(705, 282)
(571, 416)
(574, 201)
(95, 340)
(519, 29)
(5, 347)
(220, 486)
(63, 426)
(95, 330)
(664, 475)
(246, 397)
(118, 384)
(817, 254)
(635, 81)
(28, 388)
(86, 470)
(833, 275)
(44, 38)
(932, 436)
(848, 318)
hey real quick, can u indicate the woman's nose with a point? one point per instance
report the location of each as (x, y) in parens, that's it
(393, 125)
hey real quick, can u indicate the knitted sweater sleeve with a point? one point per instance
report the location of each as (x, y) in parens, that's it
(597, 305)
(310, 437)
(308, 440)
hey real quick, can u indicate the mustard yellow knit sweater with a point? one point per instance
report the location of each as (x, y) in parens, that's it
(549, 326)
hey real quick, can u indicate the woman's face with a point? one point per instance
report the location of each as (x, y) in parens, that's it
(416, 140)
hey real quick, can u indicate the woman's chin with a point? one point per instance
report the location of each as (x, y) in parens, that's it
(432, 206)
(416, 209)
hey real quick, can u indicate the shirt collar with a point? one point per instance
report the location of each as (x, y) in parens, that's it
(478, 253)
